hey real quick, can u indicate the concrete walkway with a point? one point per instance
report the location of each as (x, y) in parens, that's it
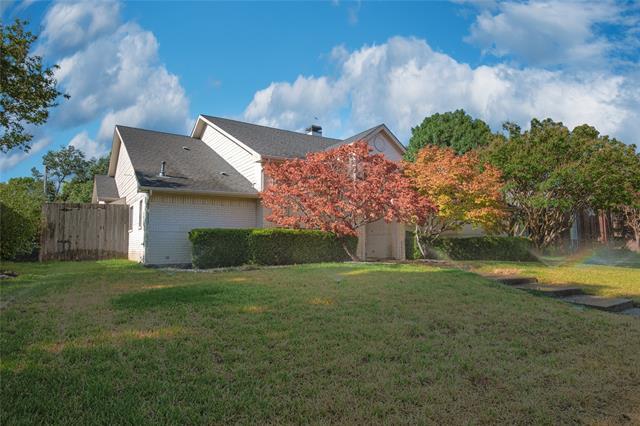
(569, 293)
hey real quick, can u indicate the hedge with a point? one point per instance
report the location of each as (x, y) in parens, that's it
(475, 248)
(20, 210)
(212, 248)
(231, 247)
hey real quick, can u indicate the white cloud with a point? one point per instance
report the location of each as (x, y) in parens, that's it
(296, 105)
(8, 161)
(353, 11)
(403, 80)
(90, 147)
(9, 9)
(70, 26)
(551, 32)
(114, 74)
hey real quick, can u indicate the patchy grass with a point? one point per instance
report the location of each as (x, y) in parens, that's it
(609, 281)
(112, 342)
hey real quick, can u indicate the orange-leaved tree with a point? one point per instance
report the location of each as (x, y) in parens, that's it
(341, 190)
(464, 191)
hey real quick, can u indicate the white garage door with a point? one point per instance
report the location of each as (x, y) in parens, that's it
(170, 221)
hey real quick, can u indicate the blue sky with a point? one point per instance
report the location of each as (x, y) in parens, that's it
(350, 64)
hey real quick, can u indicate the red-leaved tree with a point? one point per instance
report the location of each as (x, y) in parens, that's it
(340, 191)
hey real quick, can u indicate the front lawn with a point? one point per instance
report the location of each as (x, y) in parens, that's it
(609, 281)
(113, 342)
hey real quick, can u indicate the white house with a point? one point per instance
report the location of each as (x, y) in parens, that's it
(212, 179)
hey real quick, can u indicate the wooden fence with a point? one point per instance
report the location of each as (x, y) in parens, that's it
(84, 231)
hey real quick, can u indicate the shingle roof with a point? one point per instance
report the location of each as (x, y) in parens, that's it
(271, 142)
(363, 135)
(358, 136)
(106, 188)
(190, 164)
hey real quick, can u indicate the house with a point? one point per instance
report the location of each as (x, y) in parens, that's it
(212, 179)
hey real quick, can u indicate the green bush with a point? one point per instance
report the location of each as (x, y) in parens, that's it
(411, 249)
(475, 248)
(289, 246)
(20, 211)
(231, 247)
(212, 248)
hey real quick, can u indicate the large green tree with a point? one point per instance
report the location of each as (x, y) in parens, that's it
(80, 188)
(61, 166)
(456, 130)
(550, 173)
(27, 87)
(69, 175)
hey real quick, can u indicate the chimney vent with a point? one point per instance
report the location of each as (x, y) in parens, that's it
(162, 169)
(314, 130)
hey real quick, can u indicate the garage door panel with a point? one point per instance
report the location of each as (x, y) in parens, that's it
(169, 225)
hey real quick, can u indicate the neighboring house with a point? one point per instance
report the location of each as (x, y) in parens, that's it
(212, 179)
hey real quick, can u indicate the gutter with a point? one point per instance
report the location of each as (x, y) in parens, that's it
(200, 192)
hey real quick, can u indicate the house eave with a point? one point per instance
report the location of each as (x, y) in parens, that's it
(199, 192)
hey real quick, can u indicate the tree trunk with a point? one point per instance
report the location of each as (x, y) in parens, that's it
(419, 243)
(354, 257)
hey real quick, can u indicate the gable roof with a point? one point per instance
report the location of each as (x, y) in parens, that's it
(278, 143)
(363, 135)
(271, 142)
(190, 164)
(105, 188)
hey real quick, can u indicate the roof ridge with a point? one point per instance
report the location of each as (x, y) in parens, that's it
(366, 132)
(268, 127)
(155, 131)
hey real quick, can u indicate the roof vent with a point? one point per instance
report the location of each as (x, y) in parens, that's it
(162, 169)
(314, 130)
(224, 173)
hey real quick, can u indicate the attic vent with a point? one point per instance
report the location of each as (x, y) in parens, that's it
(162, 169)
(314, 130)
(224, 173)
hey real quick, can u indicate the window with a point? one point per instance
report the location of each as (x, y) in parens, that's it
(130, 218)
(140, 215)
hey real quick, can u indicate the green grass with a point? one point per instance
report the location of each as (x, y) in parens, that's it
(112, 342)
(609, 281)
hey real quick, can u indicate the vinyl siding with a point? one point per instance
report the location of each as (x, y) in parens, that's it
(136, 234)
(242, 160)
(388, 148)
(125, 176)
(171, 217)
(128, 190)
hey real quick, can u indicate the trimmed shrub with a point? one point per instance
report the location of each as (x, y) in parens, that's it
(411, 249)
(476, 248)
(212, 248)
(217, 247)
(277, 246)
(20, 211)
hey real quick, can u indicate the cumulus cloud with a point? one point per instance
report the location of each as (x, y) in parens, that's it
(294, 105)
(551, 32)
(7, 161)
(70, 26)
(90, 147)
(114, 74)
(403, 80)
